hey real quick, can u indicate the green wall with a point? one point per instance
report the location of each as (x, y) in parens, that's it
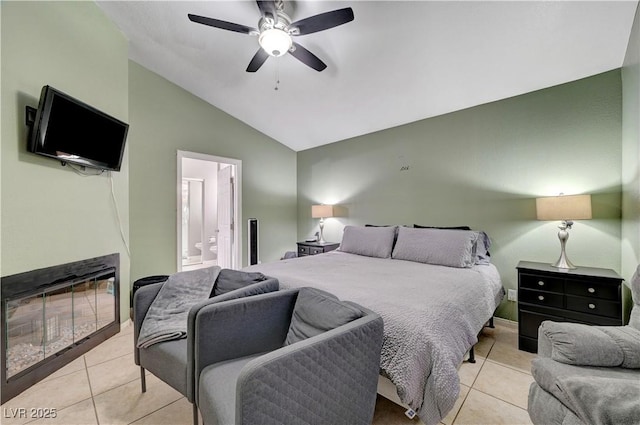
(631, 153)
(50, 215)
(484, 167)
(164, 119)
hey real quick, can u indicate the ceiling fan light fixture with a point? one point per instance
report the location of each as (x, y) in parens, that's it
(275, 42)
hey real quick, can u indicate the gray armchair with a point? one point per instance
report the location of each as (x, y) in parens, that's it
(298, 356)
(588, 374)
(172, 361)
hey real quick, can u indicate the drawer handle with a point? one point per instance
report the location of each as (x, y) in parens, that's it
(591, 290)
(592, 306)
(541, 297)
(541, 283)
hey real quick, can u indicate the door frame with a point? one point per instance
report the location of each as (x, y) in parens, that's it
(236, 254)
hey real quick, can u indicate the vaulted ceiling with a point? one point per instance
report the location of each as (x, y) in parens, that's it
(397, 62)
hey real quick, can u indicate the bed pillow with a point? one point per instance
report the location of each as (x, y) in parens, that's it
(368, 241)
(482, 248)
(315, 312)
(418, 226)
(445, 247)
(229, 280)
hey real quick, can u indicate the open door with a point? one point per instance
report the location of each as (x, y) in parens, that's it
(225, 217)
(220, 240)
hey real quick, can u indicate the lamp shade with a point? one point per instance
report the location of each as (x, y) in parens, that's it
(572, 207)
(323, 211)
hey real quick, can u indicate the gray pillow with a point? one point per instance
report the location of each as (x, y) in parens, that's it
(368, 241)
(445, 247)
(316, 312)
(229, 280)
(482, 249)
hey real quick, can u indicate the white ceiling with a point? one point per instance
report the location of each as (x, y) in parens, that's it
(397, 62)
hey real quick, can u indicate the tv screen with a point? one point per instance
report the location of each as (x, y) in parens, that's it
(71, 131)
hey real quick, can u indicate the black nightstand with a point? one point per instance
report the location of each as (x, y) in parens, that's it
(584, 295)
(313, 248)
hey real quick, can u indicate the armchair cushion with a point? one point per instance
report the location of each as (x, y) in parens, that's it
(229, 280)
(601, 400)
(578, 344)
(584, 345)
(315, 312)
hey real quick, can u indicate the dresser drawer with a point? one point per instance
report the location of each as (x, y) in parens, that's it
(594, 306)
(315, 250)
(592, 289)
(549, 299)
(540, 282)
(304, 250)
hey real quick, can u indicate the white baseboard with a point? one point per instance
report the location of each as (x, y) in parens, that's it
(506, 322)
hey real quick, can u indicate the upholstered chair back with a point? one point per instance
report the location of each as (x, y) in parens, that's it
(634, 321)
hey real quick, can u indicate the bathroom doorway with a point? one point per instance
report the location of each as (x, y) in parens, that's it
(208, 207)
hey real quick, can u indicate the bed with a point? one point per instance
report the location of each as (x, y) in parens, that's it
(432, 312)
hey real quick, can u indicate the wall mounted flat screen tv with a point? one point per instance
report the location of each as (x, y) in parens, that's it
(73, 132)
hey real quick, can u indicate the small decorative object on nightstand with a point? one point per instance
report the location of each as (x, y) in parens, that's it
(313, 248)
(584, 295)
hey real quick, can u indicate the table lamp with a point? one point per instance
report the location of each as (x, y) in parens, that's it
(566, 209)
(322, 212)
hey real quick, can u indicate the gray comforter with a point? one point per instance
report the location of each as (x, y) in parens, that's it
(432, 316)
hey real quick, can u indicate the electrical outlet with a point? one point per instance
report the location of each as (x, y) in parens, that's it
(512, 295)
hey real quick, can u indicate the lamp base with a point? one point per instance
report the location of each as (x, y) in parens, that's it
(563, 262)
(321, 238)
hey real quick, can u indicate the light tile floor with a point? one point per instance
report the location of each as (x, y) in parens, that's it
(103, 387)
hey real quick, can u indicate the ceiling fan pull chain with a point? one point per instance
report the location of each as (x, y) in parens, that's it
(277, 75)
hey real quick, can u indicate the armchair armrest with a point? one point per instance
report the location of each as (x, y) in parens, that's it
(262, 287)
(241, 327)
(338, 368)
(584, 345)
(142, 300)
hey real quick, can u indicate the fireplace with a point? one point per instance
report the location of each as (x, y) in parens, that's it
(54, 315)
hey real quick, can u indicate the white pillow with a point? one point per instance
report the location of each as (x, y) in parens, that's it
(368, 241)
(453, 248)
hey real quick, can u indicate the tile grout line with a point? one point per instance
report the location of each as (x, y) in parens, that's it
(453, 422)
(498, 398)
(93, 401)
(158, 409)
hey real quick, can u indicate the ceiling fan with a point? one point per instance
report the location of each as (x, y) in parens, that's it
(276, 29)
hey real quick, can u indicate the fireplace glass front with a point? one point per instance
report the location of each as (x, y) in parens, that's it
(44, 324)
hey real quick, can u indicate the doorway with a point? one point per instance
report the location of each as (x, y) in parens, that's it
(208, 206)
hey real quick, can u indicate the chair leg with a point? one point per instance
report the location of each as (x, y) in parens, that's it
(195, 414)
(143, 380)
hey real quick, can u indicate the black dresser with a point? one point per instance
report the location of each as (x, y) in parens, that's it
(584, 295)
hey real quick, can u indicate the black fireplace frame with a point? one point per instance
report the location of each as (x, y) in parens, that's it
(36, 281)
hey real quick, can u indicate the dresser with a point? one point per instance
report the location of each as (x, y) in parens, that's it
(313, 248)
(584, 295)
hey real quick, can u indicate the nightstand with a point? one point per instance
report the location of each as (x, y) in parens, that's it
(313, 248)
(584, 295)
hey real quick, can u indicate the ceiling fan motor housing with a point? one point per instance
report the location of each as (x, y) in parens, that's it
(274, 37)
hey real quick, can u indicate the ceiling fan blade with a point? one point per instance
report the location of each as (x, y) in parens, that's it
(216, 23)
(258, 59)
(322, 21)
(307, 58)
(268, 9)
